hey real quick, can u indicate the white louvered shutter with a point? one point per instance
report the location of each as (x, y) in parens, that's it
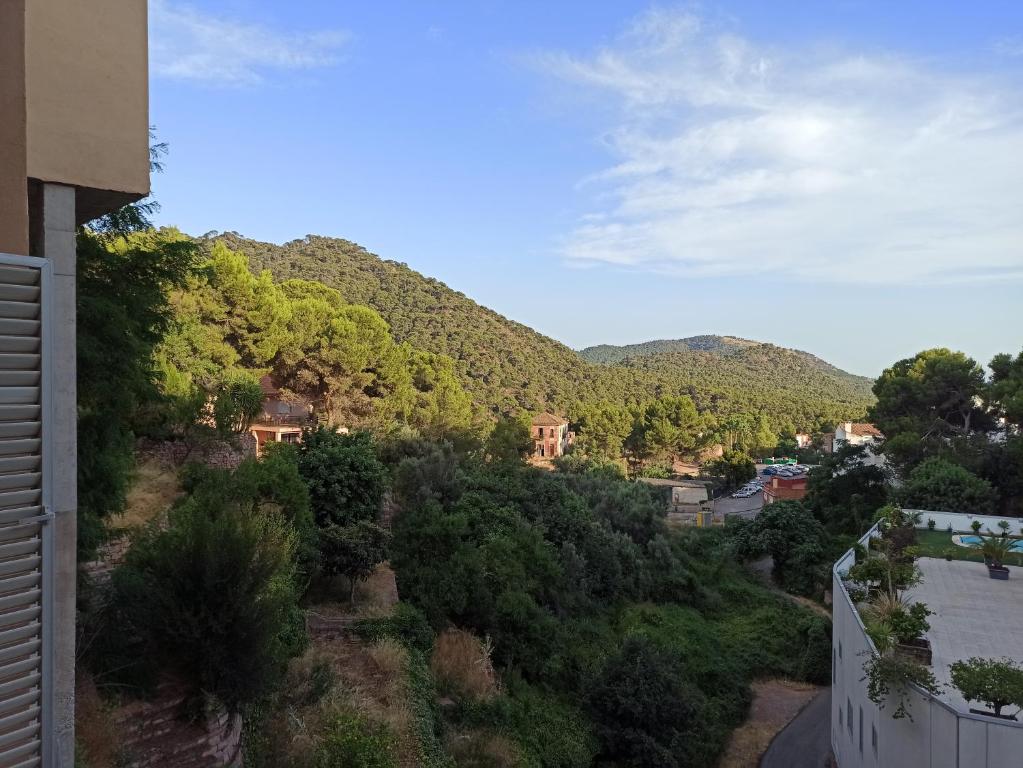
(26, 563)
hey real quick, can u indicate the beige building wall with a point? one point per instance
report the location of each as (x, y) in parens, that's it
(87, 91)
(13, 188)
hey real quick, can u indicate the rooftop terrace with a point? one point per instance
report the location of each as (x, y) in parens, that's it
(973, 616)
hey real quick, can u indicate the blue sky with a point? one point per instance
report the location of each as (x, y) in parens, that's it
(842, 178)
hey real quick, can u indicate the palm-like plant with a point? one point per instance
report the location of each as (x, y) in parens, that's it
(995, 548)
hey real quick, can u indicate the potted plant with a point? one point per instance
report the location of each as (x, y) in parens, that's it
(930, 524)
(949, 529)
(997, 683)
(1004, 526)
(976, 526)
(995, 548)
(895, 623)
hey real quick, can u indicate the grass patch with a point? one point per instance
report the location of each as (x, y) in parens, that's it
(939, 544)
(153, 490)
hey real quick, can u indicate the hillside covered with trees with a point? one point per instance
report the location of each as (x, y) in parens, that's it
(506, 366)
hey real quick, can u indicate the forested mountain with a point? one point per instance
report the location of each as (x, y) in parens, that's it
(505, 365)
(723, 346)
(607, 354)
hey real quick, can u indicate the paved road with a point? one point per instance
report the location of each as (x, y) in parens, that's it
(806, 741)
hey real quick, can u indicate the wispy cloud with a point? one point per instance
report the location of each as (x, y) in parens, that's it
(733, 157)
(190, 44)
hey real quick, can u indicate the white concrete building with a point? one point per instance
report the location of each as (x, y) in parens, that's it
(973, 616)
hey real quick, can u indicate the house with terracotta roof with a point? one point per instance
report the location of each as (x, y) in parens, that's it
(856, 433)
(551, 436)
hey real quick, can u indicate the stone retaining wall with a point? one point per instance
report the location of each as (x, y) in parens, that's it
(219, 454)
(154, 735)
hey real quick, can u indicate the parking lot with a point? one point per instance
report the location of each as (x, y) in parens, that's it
(749, 500)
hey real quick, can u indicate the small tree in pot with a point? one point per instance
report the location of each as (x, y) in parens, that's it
(997, 683)
(995, 549)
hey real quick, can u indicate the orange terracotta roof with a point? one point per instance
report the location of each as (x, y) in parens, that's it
(865, 430)
(546, 419)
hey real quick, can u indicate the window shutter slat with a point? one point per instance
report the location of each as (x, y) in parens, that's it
(24, 535)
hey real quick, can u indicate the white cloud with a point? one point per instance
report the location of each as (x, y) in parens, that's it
(188, 44)
(733, 157)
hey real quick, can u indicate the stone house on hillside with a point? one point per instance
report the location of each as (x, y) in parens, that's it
(551, 437)
(281, 420)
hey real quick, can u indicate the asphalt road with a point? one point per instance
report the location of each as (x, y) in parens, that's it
(806, 741)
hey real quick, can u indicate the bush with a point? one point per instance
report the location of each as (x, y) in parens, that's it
(551, 732)
(353, 742)
(645, 713)
(407, 624)
(212, 597)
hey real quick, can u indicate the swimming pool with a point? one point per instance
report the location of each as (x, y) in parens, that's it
(976, 541)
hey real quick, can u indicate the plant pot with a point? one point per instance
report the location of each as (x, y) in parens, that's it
(998, 572)
(991, 714)
(918, 650)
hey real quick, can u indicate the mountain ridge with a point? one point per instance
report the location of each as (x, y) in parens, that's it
(506, 365)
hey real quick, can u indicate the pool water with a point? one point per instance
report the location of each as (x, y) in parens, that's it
(976, 541)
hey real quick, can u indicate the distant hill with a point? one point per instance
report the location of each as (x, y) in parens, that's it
(507, 365)
(743, 352)
(608, 353)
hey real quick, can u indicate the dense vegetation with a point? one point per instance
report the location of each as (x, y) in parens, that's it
(594, 633)
(505, 366)
(953, 432)
(594, 608)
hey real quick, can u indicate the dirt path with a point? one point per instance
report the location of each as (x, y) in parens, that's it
(775, 704)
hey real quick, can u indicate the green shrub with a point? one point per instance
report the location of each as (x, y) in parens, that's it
(353, 742)
(212, 597)
(551, 732)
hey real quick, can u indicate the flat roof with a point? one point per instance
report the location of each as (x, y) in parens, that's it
(974, 615)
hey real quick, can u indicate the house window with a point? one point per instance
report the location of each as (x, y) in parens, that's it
(861, 730)
(873, 739)
(541, 450)
(849, 716)
(540, 431)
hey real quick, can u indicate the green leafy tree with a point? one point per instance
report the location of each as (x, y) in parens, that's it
(845, 490)
(997, 683)
(509, 440)
(353, 551)
(795, 540)
(924, 401)
(1006, 389)
(346, 480)
(123, 313)
(734, 468)
(601, 429)
(940, 485)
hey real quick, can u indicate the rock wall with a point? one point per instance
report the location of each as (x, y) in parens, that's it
(153, 734)
(219, 454)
